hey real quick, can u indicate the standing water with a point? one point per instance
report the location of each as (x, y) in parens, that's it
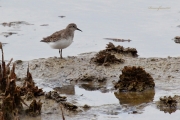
(150, 25)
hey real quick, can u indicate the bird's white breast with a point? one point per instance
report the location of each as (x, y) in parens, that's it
(61, 44)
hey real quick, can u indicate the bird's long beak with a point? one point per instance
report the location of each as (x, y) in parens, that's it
(79, 29)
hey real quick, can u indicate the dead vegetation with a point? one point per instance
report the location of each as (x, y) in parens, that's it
(134, 79)
(34, 108)
(168, 101)
(12, 102)
(121, 50)
(168, 104)
(107, 56)
(29, 86)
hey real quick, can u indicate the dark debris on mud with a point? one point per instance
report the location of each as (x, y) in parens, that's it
(120, 49)
(62, 16)
(61, 99)
(168, 104)
(177, 39)
(168, 101)
(105, 58)
(55, 96)
(69, 106)
(134, 79)
(118, 40)
(15, 23)
(11, 94)
(7, 34)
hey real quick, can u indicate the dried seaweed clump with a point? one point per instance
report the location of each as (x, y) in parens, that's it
(29, 89)
(106, 58)
(168, 104)
(55, 96)
(168, 101)
(10, 93)
(134, 79)
(34, 108)
(120, 49)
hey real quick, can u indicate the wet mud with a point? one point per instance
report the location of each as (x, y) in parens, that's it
(63, 74)
(79, 84)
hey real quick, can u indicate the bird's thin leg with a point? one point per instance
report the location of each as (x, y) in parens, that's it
(61, 53)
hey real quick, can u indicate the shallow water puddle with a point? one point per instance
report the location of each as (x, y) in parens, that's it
(95, 98)
(97, 19)
(112, 105)
(149, 113)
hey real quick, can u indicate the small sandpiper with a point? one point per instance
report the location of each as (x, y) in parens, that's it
(61, 39)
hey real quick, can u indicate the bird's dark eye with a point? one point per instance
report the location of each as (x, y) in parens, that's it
(73, 26)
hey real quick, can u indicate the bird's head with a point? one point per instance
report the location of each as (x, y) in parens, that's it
(73, 27)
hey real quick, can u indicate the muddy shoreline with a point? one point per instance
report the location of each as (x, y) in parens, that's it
(80, 71)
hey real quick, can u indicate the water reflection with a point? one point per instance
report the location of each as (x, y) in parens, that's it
(167, 109)
(135, 98)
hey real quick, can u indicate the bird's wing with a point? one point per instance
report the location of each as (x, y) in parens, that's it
(54, 37)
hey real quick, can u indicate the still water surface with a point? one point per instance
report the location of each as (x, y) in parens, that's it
(150, 30)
